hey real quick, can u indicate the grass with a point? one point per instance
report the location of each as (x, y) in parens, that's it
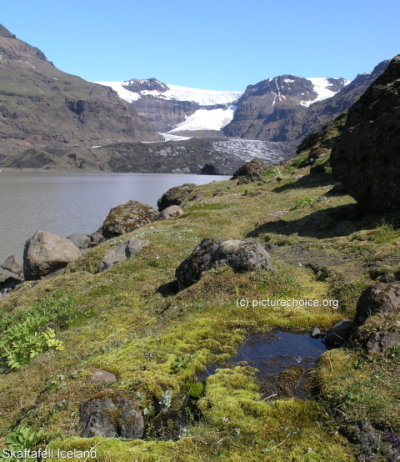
(132, 321)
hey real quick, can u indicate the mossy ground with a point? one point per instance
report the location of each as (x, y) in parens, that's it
(132, 321)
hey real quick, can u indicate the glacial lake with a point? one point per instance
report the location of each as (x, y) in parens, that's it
(64, 203)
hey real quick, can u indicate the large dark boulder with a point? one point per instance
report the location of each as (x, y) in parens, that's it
(175, 196)
(378, 298)
(125, 218)
(366, 156)
(250, 172)
(45, 253)
(241, 255)
(112, 416)
(339, 333)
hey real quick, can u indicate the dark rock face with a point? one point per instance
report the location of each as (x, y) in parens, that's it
(126, 218)
(241, 255)
(378, 298)
(127, 249)
(137, 85)
(250, 172)
(45, 253)
(175, 196)
(112, 417)
(339, 333)
(366, 156)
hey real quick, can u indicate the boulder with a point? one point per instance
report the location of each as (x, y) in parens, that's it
(11, 273)
(170, 212)
(366, 155)
(125, 218)
(250, 172)
(209, 169)
(96, 239)
(339, 333)
(241, 255)
(123, 251)
(378, 298)
(14, 265)
(175, 196)
(45, 253)
(81, 240)
(381, 341)
(114, 416)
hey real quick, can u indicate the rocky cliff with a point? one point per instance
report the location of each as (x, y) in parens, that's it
(44, 108)
(366, 155)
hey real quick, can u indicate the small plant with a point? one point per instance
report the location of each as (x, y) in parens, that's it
(303, 202)
(20, 439)
(24, 341)
(181, 362)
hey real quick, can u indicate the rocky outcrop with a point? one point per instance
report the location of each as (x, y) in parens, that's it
(366, 155)
(45, 253)
(175, 196)
(125, 218)
(127, 249)
(113, 416)
(241, 255)
(172, 211)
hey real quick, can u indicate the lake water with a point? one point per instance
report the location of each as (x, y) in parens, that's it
(64, 203)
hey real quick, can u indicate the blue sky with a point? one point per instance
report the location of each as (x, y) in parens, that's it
(217, 45)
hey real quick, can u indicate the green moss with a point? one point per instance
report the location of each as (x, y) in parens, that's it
(132, 321)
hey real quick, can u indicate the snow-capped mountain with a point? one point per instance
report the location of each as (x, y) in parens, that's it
(173, 109)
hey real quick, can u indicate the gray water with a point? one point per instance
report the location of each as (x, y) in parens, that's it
(64, 203)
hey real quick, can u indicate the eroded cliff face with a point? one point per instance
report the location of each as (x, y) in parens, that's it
(366, 155)
(44, 108)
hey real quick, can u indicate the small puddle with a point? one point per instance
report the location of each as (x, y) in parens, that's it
(283, 360)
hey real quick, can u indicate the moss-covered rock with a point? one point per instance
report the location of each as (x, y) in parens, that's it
(125, 218)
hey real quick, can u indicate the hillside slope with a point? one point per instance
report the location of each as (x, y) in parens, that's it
(45, 109)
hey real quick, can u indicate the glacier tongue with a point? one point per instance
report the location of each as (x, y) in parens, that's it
(246, 150)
